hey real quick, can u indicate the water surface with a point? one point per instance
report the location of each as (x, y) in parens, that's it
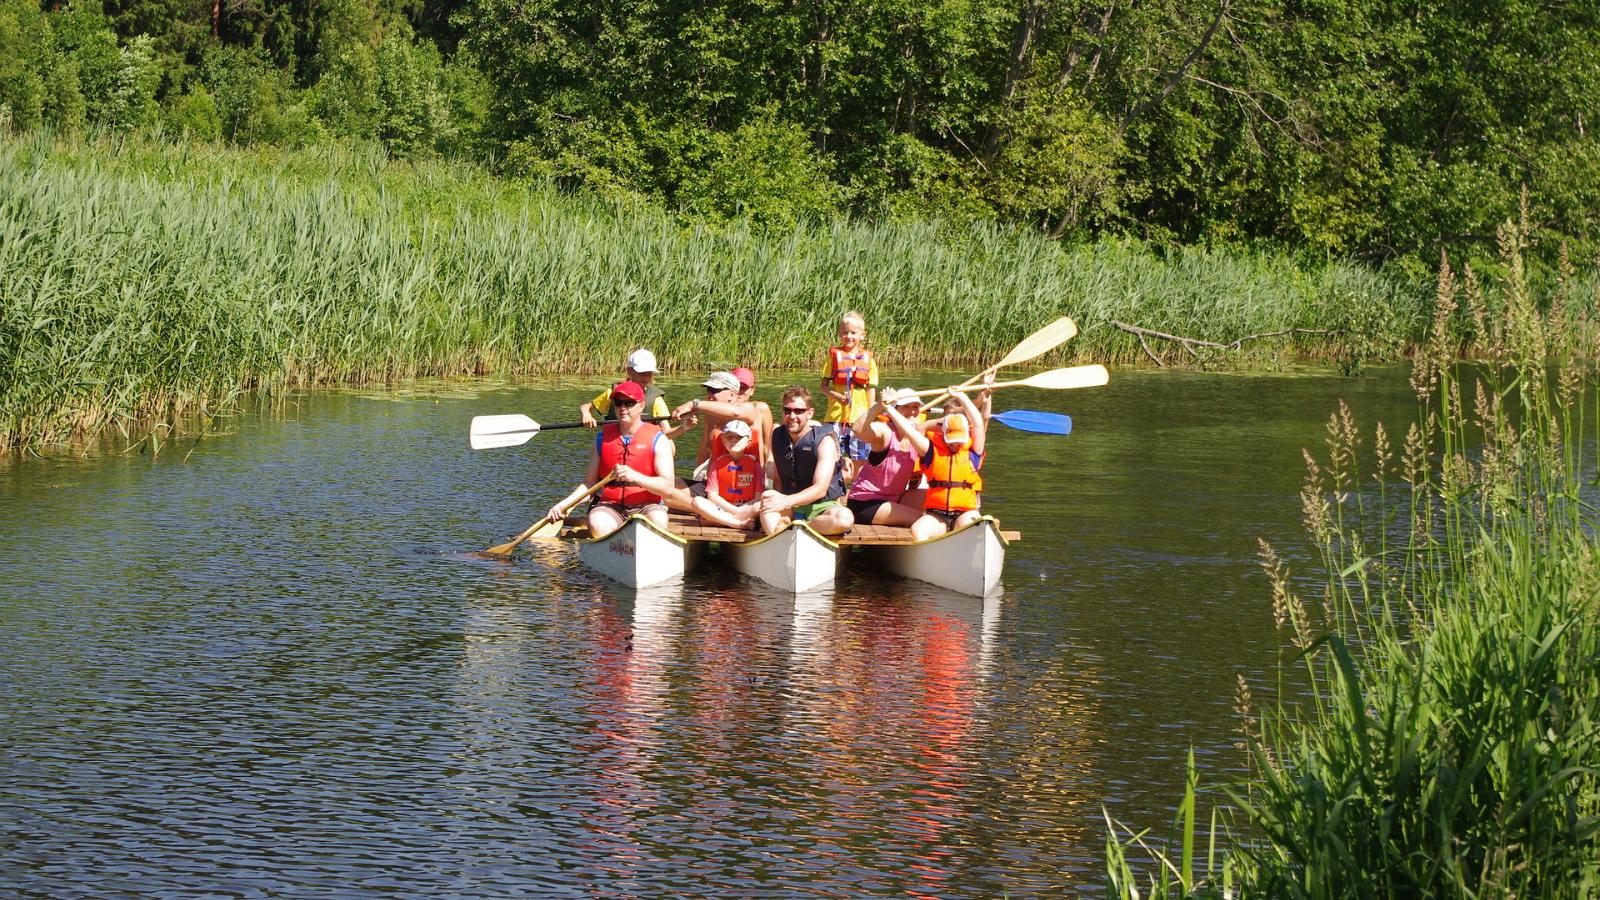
(259, 664)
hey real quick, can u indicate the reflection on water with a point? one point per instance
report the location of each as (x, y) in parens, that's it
(266, 668)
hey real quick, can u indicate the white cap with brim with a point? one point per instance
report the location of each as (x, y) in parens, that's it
(738, 427)
(899, 397)
(722, 381)
(641, 361)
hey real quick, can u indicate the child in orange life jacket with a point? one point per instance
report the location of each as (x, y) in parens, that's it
(735, 480)
(951, 453)
(850, 382)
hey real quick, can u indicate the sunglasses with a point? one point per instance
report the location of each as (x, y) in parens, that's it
(624, 403)
(796, 410)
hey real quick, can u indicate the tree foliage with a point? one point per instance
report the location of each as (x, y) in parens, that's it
(1352, 128)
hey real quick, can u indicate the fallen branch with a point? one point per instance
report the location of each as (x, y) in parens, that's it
(1189, 344)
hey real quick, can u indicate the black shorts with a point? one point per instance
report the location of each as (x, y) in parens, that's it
(864, 510)
(948, 518)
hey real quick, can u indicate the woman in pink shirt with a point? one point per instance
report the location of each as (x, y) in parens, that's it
(888, 489)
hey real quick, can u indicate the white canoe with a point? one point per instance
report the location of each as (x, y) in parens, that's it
(795, 559)
(638, 554)
(967, 560)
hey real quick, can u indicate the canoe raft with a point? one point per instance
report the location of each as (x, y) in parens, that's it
(797, 559)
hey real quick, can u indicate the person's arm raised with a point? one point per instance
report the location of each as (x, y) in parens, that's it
(919, 441)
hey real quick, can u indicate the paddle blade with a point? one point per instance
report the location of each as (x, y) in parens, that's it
(1041, 342)
(1065, 379)
(489, 432)
(1034, 421)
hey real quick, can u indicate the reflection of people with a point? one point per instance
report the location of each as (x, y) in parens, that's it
(849, 381)
(641, 371)
(806, 472)
(735, 481)
(951, 452)
(639, 455)
(886, 490)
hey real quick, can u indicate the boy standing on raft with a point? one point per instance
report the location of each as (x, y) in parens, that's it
(806, 472)
(639, 454)
(850, 382)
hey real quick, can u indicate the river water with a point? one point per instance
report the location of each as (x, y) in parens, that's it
(260, 663)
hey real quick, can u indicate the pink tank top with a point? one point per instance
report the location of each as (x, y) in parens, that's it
(889, 479)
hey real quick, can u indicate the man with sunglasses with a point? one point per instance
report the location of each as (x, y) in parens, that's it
(727, 400)
(640, 457)
(807, 470)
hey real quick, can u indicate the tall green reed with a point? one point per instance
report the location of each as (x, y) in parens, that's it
(1446, 739)
(141, 280)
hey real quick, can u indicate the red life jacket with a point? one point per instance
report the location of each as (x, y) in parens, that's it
(739, 480)
(953, 481)
(851, 368)
(638, 453)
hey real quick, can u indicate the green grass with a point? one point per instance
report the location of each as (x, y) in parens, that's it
(1447, 743)
(142, 280)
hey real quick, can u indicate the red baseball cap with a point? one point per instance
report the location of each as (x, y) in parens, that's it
(629, 390)
(747, 378)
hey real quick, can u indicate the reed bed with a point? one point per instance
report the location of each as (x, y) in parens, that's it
(1442, 736)
(141, 281)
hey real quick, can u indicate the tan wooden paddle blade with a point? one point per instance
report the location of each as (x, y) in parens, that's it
(1054, 380)
(1040, 342)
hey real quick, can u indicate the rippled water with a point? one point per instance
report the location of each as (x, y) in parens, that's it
(261, 664)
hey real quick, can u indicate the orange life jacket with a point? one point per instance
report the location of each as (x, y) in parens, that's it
(953, 481)
(851, 368)
(637, 452)
(739, 480)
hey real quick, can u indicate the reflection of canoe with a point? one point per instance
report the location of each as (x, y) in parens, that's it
(795, 559)
(638, 554)
(967, 560)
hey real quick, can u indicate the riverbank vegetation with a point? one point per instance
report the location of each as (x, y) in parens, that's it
(1440, 733)
(143, 280)
(1355, 129)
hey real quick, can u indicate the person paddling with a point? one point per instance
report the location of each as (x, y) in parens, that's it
(639, 455)
(641, 371)
(806, 470)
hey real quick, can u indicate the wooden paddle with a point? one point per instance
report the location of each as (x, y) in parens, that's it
(1033, 346)
(1053, 380)
(489, 432)
(545, 529)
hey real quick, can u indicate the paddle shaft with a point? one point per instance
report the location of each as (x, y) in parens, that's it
(506, 548)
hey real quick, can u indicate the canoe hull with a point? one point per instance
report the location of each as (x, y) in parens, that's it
(638, 554)
(967, 561)
(795, 559)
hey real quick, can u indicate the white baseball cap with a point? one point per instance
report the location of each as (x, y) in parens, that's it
(738, 426)
(641, 361)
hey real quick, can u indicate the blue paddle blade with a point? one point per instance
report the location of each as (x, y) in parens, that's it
(1035, 421)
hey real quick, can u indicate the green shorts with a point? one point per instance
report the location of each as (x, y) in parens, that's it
(812, 510)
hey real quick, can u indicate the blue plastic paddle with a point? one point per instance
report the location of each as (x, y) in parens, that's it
(1035, 421)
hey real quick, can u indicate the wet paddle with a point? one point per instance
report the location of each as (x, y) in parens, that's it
(489, 432)
(1053, 380)
(1032, 420)
(544, 529)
